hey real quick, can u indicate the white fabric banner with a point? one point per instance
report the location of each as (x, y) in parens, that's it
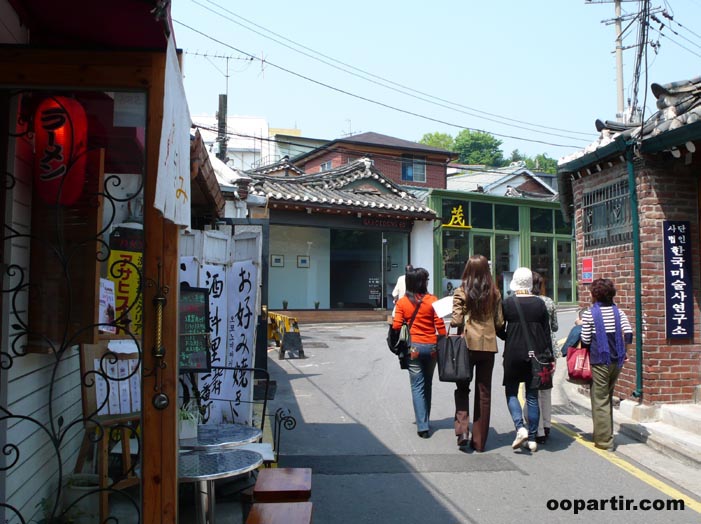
(173, 197)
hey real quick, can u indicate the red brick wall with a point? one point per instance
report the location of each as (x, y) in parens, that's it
(388, 163)
(666, 191)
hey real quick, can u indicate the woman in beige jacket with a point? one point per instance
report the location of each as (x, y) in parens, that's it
(477, 312)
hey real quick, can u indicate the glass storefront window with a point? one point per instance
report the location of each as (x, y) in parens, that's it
(456, 251)
(541, 220)
(506, 249)
(481, 215)
(561, 227)
(542, 261)
(564, 278)
(506, 217)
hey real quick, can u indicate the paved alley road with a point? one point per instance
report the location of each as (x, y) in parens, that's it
(356, 430)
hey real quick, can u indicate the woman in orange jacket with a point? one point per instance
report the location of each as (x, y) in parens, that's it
(422, 355)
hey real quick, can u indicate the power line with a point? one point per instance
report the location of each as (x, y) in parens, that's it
(376, 102)
(403, 89)
(341, 149)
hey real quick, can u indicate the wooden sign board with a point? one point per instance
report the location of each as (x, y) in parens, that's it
(193, 321)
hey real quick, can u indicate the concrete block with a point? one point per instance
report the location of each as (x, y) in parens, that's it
(683, 416)
(639, 412)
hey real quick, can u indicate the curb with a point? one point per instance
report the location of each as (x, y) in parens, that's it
(670, 440)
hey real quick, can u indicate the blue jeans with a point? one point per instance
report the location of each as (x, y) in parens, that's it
(421, 379)
(517, 413)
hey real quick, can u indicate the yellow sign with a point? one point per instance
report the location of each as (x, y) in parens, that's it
(457, 219)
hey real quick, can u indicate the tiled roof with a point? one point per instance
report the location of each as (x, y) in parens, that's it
(679, 105)
(281, 166)
(357, 186)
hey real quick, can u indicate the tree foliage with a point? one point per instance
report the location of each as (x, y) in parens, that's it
(478, 147)
(439, 140)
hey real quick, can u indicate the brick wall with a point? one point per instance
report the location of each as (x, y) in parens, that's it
(667, 190)
(388, 163)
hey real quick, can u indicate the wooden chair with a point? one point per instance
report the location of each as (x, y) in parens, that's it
(280, 513)
(283, 485)
(106, 434)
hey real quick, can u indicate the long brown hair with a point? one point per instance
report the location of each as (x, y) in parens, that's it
(479, 287)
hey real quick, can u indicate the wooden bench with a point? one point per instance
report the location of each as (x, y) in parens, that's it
(283, 485)
(280, 512)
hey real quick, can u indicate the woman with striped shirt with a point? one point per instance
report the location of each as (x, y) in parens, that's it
(606, 332)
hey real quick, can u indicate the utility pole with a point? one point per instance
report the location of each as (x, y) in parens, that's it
(620, 105)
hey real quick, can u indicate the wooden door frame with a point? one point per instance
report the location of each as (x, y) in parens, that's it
(108, 71)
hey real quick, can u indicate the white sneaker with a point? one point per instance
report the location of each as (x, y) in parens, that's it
(521, 437)
(532, 446)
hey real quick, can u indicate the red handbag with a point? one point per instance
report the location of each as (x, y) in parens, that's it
(578, 367)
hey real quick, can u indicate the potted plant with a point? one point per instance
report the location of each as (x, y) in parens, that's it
(284, 303)
(316, 305)
(81, 499)
(189, 417)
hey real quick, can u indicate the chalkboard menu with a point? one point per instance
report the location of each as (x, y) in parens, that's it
(193, 319)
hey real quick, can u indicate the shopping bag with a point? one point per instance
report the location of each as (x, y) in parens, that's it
(453, 359)
(578, 366)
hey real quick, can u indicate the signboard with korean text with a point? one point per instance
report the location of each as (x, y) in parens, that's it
(679, 306)
(587, 270)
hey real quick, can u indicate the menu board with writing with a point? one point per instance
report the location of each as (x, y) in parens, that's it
(193, 318)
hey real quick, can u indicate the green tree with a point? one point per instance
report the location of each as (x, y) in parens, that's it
(440, 140)
(542, 163)
(478, 147)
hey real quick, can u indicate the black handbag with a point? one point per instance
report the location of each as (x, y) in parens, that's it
(542, 363)
(399, 340)
(453, 359)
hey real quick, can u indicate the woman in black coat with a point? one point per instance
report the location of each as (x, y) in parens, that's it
(517, 365)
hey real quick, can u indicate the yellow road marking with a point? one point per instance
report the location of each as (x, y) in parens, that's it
(628, 467)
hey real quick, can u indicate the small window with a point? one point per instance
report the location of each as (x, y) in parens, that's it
(481, 215)
(326, 166)
(541, 220)
(606, 216)
(506, 217)
(413, 168)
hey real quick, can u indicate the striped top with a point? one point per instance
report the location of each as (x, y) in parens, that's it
(589, 336)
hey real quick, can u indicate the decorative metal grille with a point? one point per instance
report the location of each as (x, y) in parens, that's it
(606, 216)
(45, 312)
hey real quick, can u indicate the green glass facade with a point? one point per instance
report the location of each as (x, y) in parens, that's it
(510, 232)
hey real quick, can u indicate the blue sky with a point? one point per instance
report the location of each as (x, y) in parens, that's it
(536, 74)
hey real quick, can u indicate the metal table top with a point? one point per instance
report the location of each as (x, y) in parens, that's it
(195, 466)
(219, 437)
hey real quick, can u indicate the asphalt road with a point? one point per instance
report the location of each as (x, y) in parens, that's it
(356, 431)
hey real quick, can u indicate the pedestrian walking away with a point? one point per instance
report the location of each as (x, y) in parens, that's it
(477, 312)
(545, 395)
(606, 332)
(517, 366)
(422, 355)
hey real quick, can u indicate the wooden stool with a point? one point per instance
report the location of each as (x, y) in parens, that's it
(280, 512)
(283, 485)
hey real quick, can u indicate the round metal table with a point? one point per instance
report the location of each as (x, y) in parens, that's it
(219, 437)
(204, 468)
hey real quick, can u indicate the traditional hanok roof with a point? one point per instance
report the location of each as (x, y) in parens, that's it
(675, 127)
(355, 187)
(281, 167)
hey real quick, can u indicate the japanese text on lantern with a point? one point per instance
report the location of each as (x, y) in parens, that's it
(679, 310)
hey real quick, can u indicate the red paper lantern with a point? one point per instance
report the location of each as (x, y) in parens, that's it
(61, 136)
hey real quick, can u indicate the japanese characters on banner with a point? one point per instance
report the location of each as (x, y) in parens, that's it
(213, 278)
(240, 350)
(679, 309)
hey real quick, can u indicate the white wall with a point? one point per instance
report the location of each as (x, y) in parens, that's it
(422, 247)
(301, 287)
